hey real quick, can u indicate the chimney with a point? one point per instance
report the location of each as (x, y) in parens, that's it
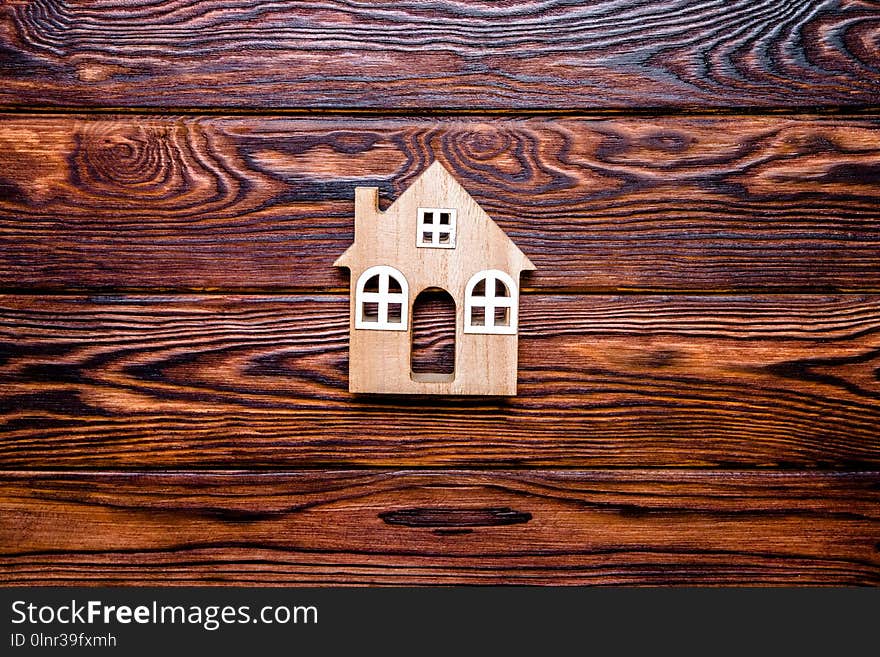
(366, 202)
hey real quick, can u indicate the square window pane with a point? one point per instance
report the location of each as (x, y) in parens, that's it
(436, 228)
(478, 316)
(370, 312)
(372, 284)
(395, 311)
(502, 317)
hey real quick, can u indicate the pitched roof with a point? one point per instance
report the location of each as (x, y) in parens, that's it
(437, 176)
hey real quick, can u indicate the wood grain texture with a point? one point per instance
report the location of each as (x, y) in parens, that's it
(629, 381)
(734, 203)
(449, 527)
(439, 54)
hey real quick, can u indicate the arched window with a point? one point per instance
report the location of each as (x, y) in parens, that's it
(382, 300)
(490, 305)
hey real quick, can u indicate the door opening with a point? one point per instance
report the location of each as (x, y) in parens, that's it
(432, 352)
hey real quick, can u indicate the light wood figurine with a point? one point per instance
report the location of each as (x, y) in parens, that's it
(434, 236)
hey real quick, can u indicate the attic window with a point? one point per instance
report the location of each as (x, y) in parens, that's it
(381, 300)
(436, 228)
(490, 304)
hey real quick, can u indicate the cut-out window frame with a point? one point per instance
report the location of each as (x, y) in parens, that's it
(384, 298)
(490, 301)
(435, 229)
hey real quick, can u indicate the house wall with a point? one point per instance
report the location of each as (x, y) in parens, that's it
(379, 361)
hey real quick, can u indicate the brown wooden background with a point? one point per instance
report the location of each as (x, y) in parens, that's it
(697, 182)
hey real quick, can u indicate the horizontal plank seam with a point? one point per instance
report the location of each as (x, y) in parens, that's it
(794, 110)
(335, 467)
(339, 291)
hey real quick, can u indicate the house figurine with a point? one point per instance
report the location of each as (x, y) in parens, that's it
(434, 236)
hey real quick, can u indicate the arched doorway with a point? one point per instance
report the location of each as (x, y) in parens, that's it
(432, 352)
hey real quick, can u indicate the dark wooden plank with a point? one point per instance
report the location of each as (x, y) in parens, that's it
(253, 203)
(434, 55)
(631, 381)
(447, 527)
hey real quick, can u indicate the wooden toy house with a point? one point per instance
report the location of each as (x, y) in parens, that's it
(434, 236)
